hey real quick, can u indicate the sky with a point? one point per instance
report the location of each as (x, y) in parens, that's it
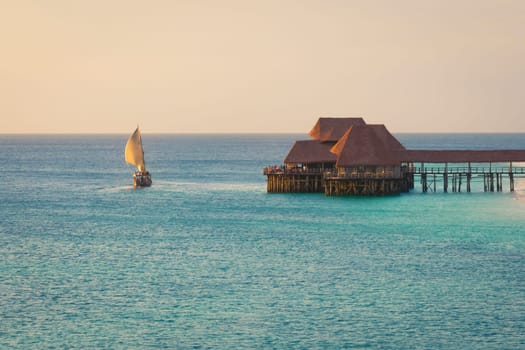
(228, 66)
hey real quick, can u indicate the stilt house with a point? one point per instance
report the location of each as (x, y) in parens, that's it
(346, 156)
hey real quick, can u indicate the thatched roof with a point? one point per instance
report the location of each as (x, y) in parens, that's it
(351, 142)
(332, 129)
(310, 151)
(463, 156)
(368, 145)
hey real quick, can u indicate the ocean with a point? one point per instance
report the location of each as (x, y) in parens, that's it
(206, 259)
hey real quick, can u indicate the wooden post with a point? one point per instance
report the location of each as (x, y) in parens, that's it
(469, 175)
(445, 179)
(511, 177)
(490, 179)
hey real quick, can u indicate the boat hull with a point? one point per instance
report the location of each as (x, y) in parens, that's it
(142, 179)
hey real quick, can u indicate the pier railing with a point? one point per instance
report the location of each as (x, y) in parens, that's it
(291, 171)
(465, 170)
(335, 173)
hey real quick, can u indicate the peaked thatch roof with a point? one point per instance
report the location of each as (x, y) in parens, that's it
(351, 142)
(332, 129)
(368, 145)
(310, 151)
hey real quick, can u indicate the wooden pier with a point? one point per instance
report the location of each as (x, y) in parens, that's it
(460, 179)
(431, 179)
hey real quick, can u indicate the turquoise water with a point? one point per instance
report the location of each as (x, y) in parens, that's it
(206, 259)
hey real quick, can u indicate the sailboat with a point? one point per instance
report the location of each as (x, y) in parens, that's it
(134, 155)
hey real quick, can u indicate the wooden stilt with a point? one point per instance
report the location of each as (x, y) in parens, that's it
(445, 179)
(469, 176)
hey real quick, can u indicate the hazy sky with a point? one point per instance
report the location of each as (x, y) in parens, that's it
(261, 66)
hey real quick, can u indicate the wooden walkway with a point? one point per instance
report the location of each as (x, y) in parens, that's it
(432, 179)
(453, 178)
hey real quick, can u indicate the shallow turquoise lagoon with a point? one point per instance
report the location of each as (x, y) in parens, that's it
(205, 258)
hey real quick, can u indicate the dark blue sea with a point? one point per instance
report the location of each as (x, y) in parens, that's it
(206, 259)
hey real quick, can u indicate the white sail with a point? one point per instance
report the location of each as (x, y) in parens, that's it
(134, 153)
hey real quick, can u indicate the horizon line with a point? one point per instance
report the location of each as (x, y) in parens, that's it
(245, 133)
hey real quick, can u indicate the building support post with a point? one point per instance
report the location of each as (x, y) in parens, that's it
(491, 184)
(445, 179)
(469, 175)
